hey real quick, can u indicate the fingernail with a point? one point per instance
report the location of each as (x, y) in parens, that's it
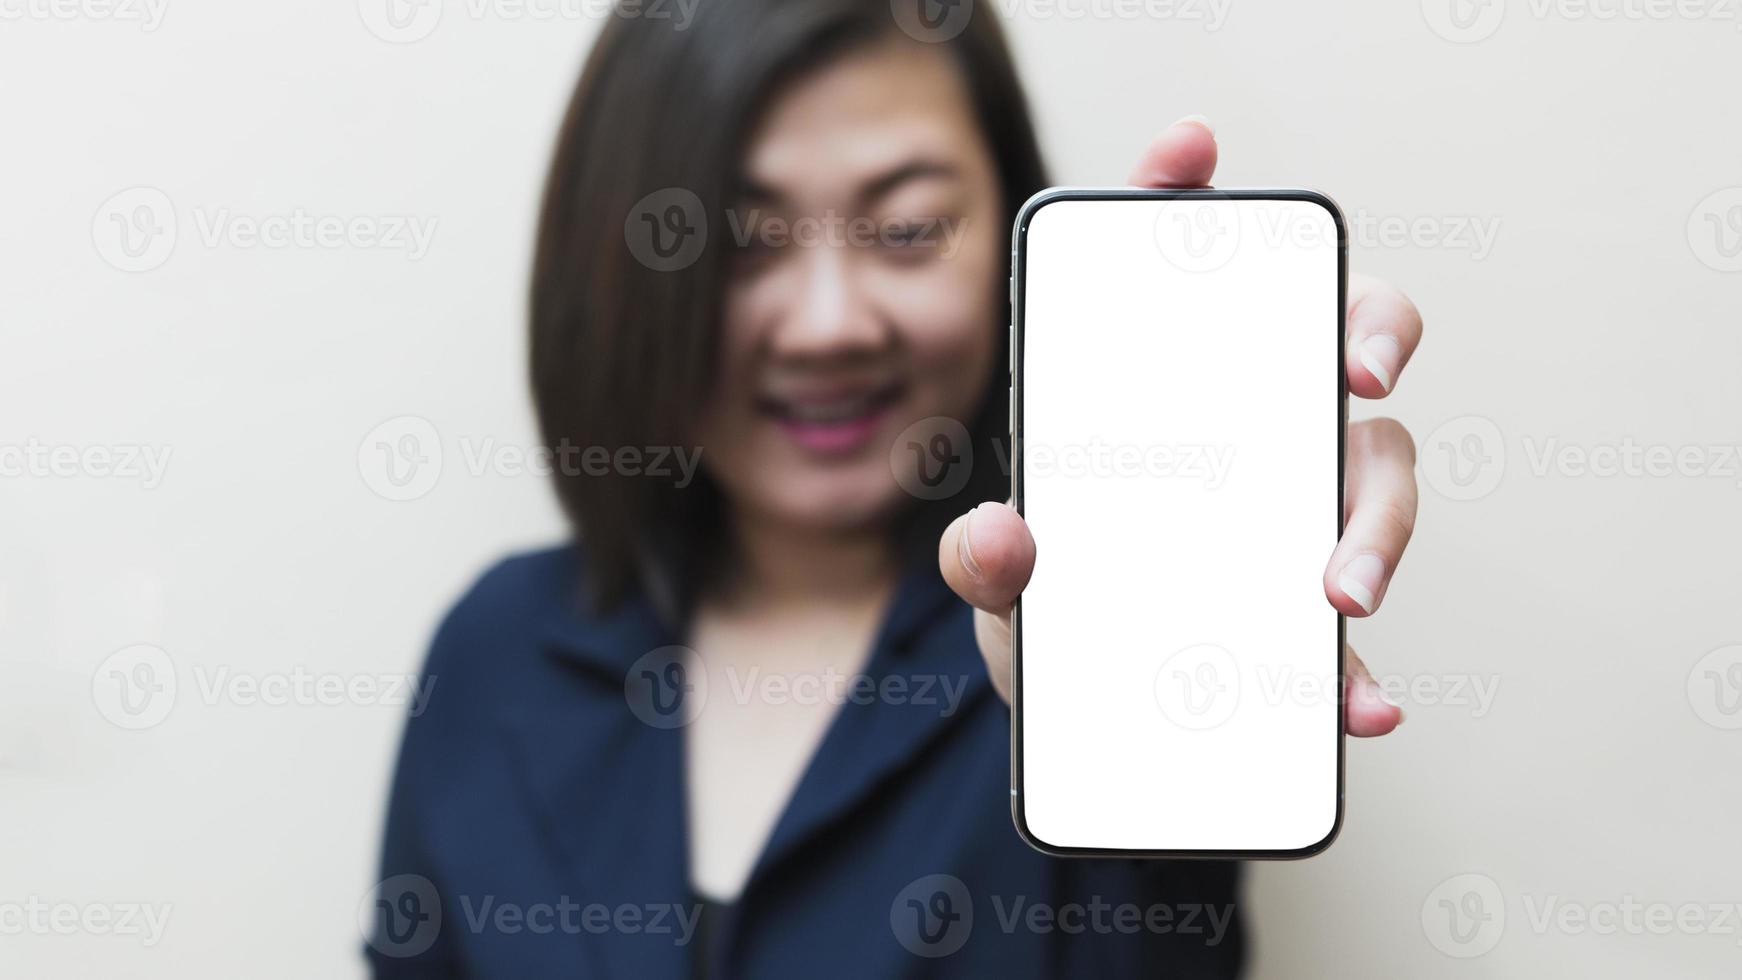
(1201, 121)
(965, 545)
(1380, 355)
(1360, 579)
(1380, 695)
(1369, 689)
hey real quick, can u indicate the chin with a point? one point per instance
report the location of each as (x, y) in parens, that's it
(840, 501)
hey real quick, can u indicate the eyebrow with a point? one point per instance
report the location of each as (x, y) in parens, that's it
(912, 170)
(878, 186)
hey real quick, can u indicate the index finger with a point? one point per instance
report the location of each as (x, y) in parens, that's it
(1184, 155)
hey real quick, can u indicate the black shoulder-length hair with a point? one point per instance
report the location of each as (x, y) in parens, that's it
(623, 353)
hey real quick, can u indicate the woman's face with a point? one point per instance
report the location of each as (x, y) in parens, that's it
(865, 292)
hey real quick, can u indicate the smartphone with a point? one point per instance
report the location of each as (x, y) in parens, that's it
(1178, 410)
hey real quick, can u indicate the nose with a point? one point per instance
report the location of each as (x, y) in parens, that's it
(831, 312)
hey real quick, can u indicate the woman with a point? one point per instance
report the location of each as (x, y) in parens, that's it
(744, 726)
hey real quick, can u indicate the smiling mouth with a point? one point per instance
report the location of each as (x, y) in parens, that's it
(833, 424)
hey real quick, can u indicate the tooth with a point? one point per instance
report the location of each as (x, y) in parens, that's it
(832, 411)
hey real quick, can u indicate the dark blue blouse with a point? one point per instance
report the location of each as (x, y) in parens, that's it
(537, 821)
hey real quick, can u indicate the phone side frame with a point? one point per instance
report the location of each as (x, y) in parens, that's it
(1018, 263)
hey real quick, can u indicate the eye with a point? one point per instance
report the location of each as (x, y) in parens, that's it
(752, 251)
(910, 241)
(753, 245)
(905, 233)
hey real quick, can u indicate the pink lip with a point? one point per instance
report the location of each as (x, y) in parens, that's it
(834, 438)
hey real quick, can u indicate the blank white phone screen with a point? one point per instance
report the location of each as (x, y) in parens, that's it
(1181, 411)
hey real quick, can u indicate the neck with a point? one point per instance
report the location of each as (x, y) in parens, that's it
(779, 563)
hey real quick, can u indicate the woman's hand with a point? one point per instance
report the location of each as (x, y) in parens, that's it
(987, 555)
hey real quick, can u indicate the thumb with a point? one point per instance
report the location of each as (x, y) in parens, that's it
(1184, 155)
(987, 556)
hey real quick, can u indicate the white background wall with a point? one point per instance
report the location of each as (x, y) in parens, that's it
(1601, 313)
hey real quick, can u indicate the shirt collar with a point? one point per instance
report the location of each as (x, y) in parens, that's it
(611, 641)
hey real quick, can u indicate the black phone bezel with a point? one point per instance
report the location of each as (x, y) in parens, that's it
(1019, 259)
